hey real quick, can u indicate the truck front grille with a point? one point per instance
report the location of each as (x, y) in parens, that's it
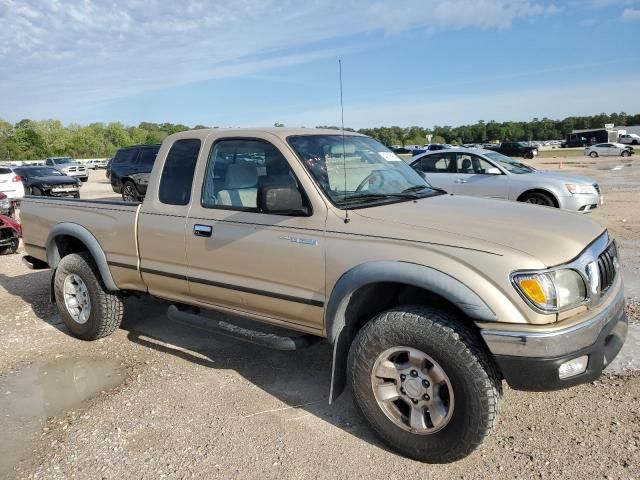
(608, 266)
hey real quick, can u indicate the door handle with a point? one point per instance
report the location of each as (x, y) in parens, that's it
(202, 230)
(461, 180)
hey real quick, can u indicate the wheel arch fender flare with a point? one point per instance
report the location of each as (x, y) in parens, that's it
(84, 236)
(340, 334)
(555, 192)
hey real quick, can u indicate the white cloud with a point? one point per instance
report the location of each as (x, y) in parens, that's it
(71, 52)
(630, 14)
(437, 109)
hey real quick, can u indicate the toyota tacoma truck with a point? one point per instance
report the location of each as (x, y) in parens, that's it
(428, 300)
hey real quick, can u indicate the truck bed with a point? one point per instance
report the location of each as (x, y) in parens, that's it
(111, 222)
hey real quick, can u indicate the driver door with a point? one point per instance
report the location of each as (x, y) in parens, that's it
(471, 178)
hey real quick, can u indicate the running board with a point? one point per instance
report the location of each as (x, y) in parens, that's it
(269, 340)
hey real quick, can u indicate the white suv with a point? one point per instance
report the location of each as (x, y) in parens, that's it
(11, 184)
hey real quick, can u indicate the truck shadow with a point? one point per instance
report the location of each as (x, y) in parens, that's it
(33, 289)
(299, 379)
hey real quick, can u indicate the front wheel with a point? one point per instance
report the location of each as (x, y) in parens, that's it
(88, 309)
(425, 383)
(529, 155)
(130, 192)
(625, 153)
(538, 198)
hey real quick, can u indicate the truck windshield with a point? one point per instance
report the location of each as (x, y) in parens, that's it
(508, 163)
(60, 161)
(355, 171)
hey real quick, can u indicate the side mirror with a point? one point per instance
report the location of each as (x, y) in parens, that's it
(281, 200)
(492, 171)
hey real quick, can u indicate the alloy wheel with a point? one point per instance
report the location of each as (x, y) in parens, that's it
(412, 390)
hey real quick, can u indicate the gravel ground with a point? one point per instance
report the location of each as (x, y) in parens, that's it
(190, 404)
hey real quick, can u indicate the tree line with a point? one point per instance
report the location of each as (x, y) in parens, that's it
(34, 140)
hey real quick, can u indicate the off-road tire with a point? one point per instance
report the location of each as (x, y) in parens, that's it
(107, 308)
(475, 380)
(130, 187)
(593, 154)
(538, 198)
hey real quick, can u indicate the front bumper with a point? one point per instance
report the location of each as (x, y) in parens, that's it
(580, 203)
(531, 360)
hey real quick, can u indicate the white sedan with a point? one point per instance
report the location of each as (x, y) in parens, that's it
(11, 184)
(607, 149)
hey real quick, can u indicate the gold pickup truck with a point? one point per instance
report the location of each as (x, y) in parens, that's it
(428, 300)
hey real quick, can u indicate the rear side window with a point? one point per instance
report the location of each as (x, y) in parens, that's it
(125, 156)
(436, 163)
(5, 171)
(177, 174)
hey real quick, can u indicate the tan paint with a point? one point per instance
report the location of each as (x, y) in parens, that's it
(476, 241)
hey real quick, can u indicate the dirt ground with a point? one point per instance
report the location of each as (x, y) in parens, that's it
(160, 399)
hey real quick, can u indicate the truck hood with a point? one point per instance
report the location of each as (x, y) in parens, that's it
(552, 236)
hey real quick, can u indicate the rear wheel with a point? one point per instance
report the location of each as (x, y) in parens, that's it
(88, 309)
(11, 248)
(538, 198)
(593, 154)
(130, 192)
(424, 383)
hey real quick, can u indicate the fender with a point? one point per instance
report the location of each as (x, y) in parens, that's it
(86, 237)
(340, 334)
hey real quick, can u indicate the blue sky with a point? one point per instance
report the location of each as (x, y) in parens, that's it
(257, 62)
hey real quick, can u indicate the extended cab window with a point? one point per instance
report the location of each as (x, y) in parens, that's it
(177, 173)
(237, 168)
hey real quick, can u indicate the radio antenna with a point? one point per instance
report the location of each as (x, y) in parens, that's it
(344, 153)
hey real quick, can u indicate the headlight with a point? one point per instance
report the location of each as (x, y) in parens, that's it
(581, 189)
(551, 291)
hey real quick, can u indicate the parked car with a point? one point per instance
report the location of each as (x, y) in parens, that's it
(130, 169)
(10, 233)
(49, 182)
(607, 150)
(515, 149)
(68, 166)
(11, 184)
(428, 300)
(7, 206)
(486, 173)
(629, 139)
(95, 164)
(107, 170)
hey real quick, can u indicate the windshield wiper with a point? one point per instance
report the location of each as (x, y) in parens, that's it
(417, 188)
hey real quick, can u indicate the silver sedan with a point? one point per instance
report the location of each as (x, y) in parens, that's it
(485, 173)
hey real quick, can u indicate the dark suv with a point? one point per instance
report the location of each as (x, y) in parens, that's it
(130, 169)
